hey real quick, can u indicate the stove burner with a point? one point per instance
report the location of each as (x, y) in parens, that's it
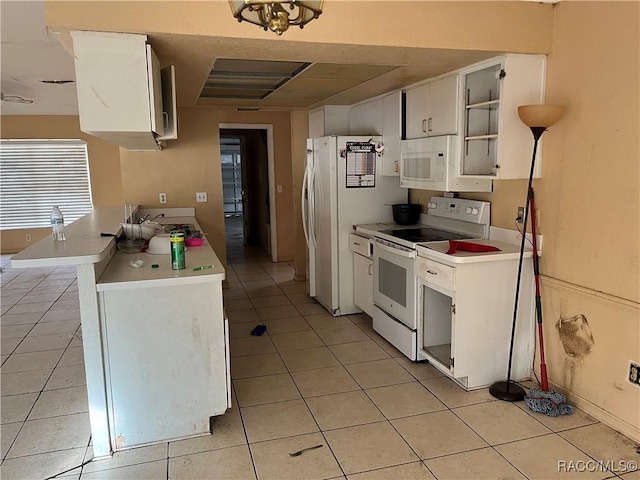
(420, 235)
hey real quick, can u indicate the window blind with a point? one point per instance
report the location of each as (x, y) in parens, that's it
(36, 175)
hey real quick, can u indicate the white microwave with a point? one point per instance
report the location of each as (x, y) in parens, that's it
(423, 162)
(430, 164)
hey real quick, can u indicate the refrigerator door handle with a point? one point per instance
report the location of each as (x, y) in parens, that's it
(312, 208)
(305, 216)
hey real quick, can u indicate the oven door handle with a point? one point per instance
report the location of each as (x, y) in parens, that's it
(396, 251)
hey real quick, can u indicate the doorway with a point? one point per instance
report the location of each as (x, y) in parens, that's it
(246, 179)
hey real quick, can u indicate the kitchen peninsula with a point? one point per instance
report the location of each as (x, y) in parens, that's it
(155, 340)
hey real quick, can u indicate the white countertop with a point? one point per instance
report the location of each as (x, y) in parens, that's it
(83, 244)
(120, 275)
(437, 251)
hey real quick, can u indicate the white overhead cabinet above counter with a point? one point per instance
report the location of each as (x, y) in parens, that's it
(495, 143)
(123, 96)
(431, 109)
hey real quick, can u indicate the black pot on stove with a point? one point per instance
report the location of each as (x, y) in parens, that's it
(406, 213)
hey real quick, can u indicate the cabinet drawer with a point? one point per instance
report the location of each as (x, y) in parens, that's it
(360, 245)
(437, 273)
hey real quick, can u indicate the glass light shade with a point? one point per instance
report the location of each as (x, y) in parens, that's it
(540, 115)
(276, 15)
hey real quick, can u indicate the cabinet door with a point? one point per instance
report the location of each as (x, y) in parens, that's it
(177, 343)
(496, 143)
(417, 111)
(443, 107)
(363, 283)
(391, 132)
(366, 119)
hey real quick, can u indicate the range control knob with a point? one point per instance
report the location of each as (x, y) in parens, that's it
(432, 205)
(475, 211)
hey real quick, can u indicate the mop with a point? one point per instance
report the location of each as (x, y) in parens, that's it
(550, 403)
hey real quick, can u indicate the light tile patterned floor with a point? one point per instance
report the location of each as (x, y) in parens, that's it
(312, 379)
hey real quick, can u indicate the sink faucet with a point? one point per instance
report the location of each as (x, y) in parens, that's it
(144, 219)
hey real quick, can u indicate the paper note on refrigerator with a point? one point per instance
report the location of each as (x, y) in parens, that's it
(361, 164)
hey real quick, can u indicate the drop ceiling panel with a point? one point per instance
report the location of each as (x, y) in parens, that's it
(335, 70)
(331, 84)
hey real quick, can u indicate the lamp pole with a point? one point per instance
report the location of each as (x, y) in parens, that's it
(537, 118)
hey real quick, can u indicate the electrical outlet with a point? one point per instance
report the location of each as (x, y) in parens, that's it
(634, 373)
(162, 197)
(27, 237)
(201, 197)
(520, 217)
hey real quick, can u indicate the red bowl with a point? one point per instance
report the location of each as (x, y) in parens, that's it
(193, 242)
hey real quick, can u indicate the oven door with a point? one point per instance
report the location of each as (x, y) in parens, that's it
(394, 281)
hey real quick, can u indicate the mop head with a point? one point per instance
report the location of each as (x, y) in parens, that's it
(550, 403)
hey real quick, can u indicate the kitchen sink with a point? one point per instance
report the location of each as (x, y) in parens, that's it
(187, 228)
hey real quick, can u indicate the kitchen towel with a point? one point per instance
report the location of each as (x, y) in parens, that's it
(455, 245)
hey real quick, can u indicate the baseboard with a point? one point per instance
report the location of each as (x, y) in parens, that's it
(599, 413)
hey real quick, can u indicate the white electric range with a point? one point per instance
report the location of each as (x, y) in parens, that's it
(395, 312)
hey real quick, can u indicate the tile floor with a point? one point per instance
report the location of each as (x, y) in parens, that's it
(312, 379)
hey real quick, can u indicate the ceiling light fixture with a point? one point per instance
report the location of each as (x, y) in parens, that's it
(57, 82)
(273, 15)
(14, 98)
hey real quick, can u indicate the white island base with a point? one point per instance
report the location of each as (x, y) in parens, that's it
(155, 340)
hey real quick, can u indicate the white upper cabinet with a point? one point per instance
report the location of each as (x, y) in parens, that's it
(366, 118)
(120, 90)
(495, 143)
(391, 133)
(329, 120)
(432, 109)
(381, 116)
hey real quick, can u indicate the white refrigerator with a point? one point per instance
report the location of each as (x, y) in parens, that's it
(343, 186)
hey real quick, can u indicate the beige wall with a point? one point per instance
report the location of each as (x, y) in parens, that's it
(191, 164)
(104, 166)
(589, 199)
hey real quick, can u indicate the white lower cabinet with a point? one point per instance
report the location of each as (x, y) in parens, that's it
(465, 313)
(166, 361)
(363, 283)
(362, 273)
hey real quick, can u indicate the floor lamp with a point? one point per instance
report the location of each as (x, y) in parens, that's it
(538, 118)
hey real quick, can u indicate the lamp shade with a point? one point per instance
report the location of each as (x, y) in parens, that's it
(540, 115)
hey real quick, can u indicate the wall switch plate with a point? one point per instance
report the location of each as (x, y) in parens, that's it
(279, 188)
(634, 373)
(27, 237)
(201, 197)
(162, 197)
(520, 217)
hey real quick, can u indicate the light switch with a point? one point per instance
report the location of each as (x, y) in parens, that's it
(279, 188)
(201, 197)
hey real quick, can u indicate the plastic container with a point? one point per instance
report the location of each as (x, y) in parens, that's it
(193, 241)
(57, 225)
(177, 251)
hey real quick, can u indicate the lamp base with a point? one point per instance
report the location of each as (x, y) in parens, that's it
(507, 391)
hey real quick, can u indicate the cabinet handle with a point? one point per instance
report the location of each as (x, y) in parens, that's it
(424, 125)
(396, 166)
(356, 243)
(429, 122)
(432, 272)
(369, 267)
